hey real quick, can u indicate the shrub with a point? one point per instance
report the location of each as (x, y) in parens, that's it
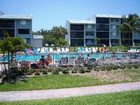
(89, 67)
(55, 71)
(122, 66)
(108, 67)
(37, 73)
(59, 68)
(73, 71)
(87, 70)
(50, 69)
(30, 72)
(97, 68)
(76, 68)
(65, 71)
(44, 71)
(129, 66)
(136, 66)
(113, 67)
(81, 70)
(102, 68)
(0, 74)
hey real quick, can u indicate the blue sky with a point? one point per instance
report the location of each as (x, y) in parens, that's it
(49, 13)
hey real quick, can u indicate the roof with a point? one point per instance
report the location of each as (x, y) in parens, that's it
(109, 16)
(82, 21)
(37, 37)
(14, 17)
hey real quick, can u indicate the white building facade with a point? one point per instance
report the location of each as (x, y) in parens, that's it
(102, 29)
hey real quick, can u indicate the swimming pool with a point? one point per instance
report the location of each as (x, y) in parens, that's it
(58, 56)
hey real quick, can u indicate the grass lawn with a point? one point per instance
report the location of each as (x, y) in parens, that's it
(133, 74)
(117, 76)
(68, 81)
(122, 98)
(52, 82)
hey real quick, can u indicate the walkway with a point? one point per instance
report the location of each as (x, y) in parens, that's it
(67, 92)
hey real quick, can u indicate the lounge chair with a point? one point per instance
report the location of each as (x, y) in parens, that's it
(34, 66)
(67, 49)
(58, 50)
(30, 51)
(42, 50)
(80, 61)
(63, 62)
(91, 61)
(82, 49)
(63, 50)
(94, 50)
(38, 50)
(51, 50)
(72, 61)
(35, 50)
(25, 65)
(46, 50)
(87, 50)
(78, 49)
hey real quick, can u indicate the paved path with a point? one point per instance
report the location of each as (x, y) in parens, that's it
(67, 92)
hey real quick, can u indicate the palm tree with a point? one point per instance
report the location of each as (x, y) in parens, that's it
(10, 46)
(61, 42)
(130, 24)
(59, 32)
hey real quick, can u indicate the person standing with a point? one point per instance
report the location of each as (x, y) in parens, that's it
(87, 59)
(48, 60)
(42, 62)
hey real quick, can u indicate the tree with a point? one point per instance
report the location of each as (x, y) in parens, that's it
(61, 42)
(41, 32)
(9, 46)
(130, 24)
(49, 39)
(54, 36)
(58, 32)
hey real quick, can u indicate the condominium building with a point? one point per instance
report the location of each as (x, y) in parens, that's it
(102, 29)
(17, 26)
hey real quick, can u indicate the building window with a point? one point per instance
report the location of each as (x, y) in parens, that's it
(11, 32)
(111, 20)
(114, 42)
(102, 20)
(90, 26)
(102, 34)
(100, 42)
(76, 27)
(28, 40)
(23, 22)
(77, 35)
(77, 42)
(25, 40)
(113, 27)
(114, 33)
(89, 33)
(114, 20)
(102, 27)
(90, 41)
(23, 31)
(137, 41)
(7, 23)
